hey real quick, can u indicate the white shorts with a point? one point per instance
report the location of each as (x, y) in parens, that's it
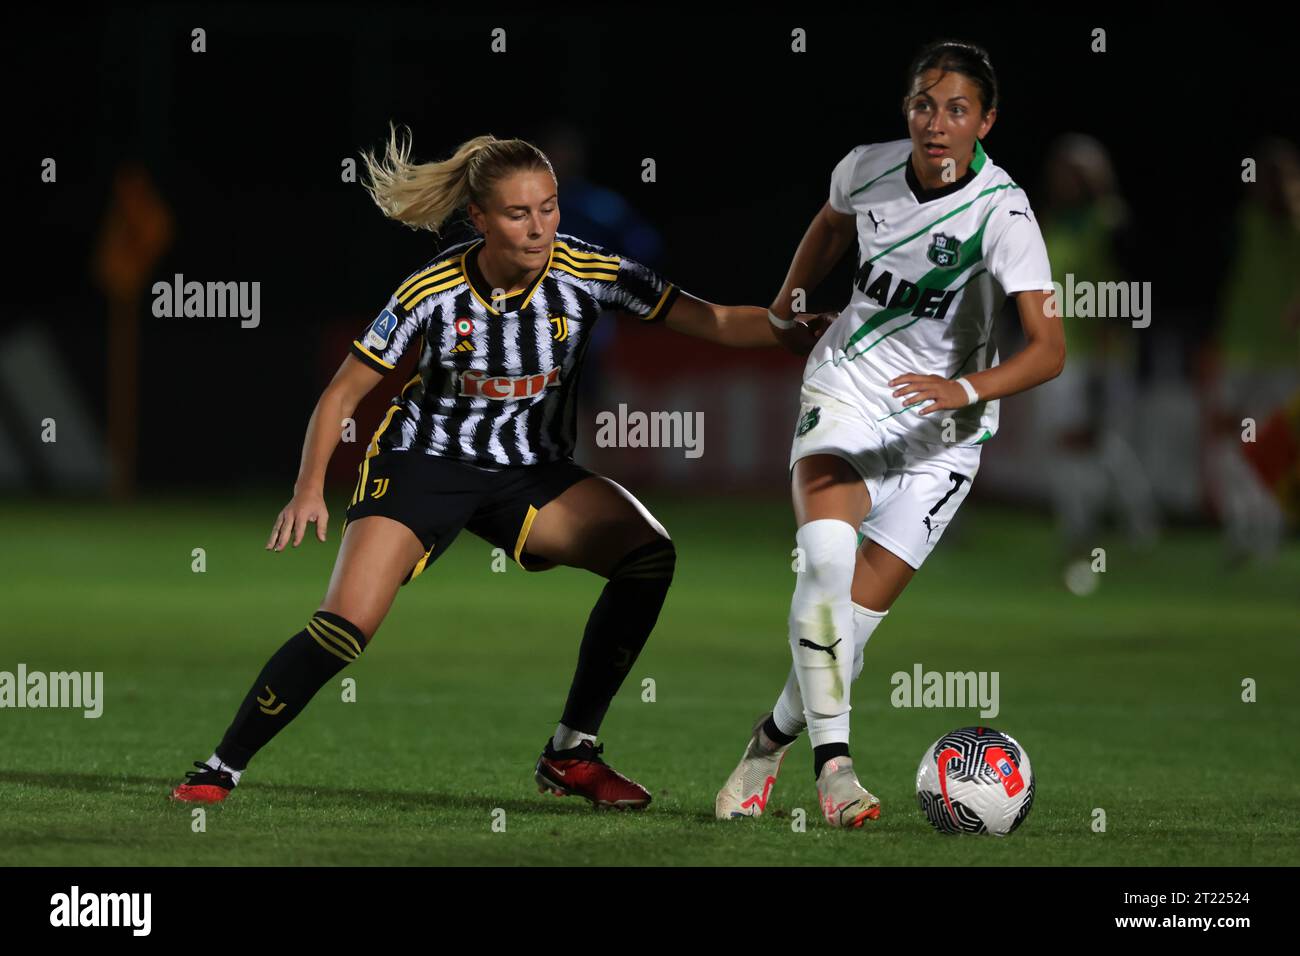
(915, 488)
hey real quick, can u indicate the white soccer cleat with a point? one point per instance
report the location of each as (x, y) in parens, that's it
(844, 801)
(746, 792)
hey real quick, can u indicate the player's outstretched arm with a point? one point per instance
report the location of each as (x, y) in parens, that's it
(742, 326)
(350, 384)
(828, 236)
(1042, 359)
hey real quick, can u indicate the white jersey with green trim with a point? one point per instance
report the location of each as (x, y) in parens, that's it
(934, 269)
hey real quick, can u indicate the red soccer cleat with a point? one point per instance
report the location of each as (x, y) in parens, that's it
(204, 785)
(581, 772)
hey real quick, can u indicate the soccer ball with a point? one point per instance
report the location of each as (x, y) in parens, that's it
(975, 780)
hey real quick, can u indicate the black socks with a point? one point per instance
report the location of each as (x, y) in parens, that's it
(289, 680)
(820, 754)
(774, 732)
(617, 630)
(827, 752)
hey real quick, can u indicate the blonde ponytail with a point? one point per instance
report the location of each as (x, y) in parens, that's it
(426, 195)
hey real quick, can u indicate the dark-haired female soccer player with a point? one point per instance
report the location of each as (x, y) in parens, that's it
(899, 395)
(482, 438)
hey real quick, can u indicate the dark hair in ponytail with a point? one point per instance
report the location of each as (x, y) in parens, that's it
(956, 56)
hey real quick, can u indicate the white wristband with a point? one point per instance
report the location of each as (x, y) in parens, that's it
(971, 395)
(779, 322)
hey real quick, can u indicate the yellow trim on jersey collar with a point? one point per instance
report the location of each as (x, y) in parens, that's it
(435, 273)
(464, 268)
(577, 254)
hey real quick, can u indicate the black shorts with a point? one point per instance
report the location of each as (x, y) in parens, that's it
(435, 497)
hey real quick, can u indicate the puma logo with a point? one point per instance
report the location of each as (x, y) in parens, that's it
(804, 642)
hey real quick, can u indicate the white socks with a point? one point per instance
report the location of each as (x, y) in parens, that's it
(788, 714)
(215, 763)
(821, 626)
(566, 738)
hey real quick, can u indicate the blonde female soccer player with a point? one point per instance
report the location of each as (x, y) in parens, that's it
(482, 438)
(898, 396)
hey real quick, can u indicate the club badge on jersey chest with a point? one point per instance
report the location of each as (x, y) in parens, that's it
(944, 251)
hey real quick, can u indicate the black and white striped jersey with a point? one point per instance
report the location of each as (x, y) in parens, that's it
(496, 380)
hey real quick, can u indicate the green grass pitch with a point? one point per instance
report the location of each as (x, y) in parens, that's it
(1128, 700)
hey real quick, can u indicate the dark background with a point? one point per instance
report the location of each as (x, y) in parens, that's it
(244, 143)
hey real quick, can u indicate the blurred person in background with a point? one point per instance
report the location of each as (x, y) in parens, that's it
(602, 216)
(1253, 371)
(1084, 418)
